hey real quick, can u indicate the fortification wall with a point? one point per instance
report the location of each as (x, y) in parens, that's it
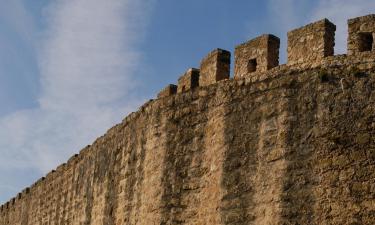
(290, 145)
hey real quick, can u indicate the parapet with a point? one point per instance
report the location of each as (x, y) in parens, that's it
(257, 55)
(361, 34)
(311, 43)
(214, 67)
(189, 80)
(169, 90)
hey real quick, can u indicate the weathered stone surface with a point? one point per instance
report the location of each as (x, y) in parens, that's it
(257, 55)
(214, 67)
(291, 145)
(169, 90)
(361, 34)
(188, 81)
(311, 43)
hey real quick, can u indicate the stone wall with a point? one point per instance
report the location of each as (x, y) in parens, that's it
(188, 81)
(291, 145)
(311, 43)
(361, 34)
(214, 67)
(169, 90)
(257, 55)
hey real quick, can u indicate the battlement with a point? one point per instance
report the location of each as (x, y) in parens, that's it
(361, 34)
(308, 46)
(169, 90)
(257, 55)
(311, 43)
(189, 80)
(215, 67)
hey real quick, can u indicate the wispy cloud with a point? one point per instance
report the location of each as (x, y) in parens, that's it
(87, 58)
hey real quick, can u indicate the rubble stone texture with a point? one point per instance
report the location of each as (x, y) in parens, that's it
(188, 81)
(311, 43)
(291, 145)
(361, 34)
(171, 89)
(214, 67)
(257, 55)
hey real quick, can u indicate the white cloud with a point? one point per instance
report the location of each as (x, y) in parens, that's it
(87, 61)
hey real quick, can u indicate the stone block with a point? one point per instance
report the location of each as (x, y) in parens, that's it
(214, 67)
(257, 55)
(311, 43)
(169, 90)
(361, 34)
(188, 81)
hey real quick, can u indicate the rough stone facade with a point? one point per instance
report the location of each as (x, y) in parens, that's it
(214, 67)
(257, 55)
(188, 81)
(361, 34)
(311, 43)
(169, 90)
(291, 145)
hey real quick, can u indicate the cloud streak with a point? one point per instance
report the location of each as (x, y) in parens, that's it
(87, 61)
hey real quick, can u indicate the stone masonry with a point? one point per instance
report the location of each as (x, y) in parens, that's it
(188, 81)
(293, 144)
(214, 67)
(361, 34)
(169, 90)
(257, 55)
(311, 43)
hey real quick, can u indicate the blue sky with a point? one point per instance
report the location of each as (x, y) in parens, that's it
(71, 69)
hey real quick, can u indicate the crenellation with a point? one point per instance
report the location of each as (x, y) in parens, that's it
(72, 160)
(311, 43)
(188, 81)
(361, 33)
(38, 182)
(257, 55)
(169, 90)
(85, 151)
(214, 67)
(26, 191)
(61, 168)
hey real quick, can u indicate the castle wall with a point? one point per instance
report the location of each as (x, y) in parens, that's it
(214, 67)
(189, 80)
(361, 34)
(169, 90)
(275, 151)
(257, 55)
(311, 43)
